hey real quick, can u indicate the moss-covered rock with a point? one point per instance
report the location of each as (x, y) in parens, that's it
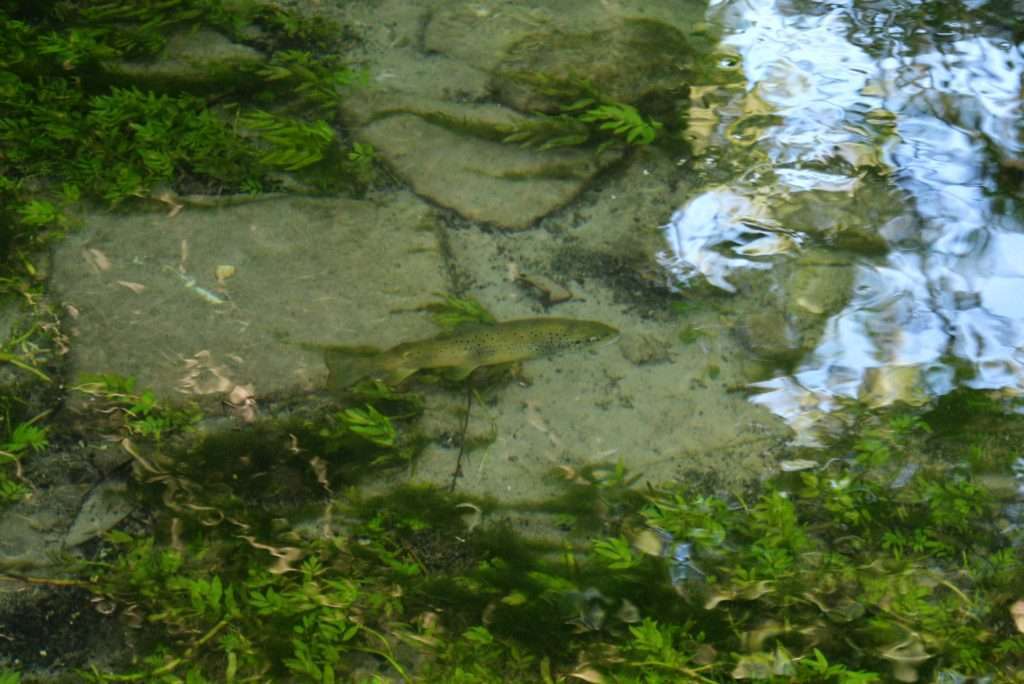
(637, 60)
(197, 60)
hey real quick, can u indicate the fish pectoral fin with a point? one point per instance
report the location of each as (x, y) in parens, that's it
(396, 376)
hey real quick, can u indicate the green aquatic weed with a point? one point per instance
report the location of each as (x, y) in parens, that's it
(370, 424)
(616, 552)
(623, 120)
(586, 114)
(25, 437)
(141, 413)
(316, 80)
(11, 491)
(362, 159)
(121, 143)
(546, 132)
(40, 213)
(290, 144)
(453, 312)
(236, 612)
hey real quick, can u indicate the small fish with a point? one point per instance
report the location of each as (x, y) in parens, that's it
(463, 351)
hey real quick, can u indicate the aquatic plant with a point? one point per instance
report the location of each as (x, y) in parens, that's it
(69, 136)
(291, 145)
(370, 424)
(843, 572)
(315, 80)
(454, 312)
(586, 115)
(24, 438)
(137, 414)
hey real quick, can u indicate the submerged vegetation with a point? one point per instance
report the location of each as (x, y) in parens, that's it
(74, 129)
(586, 116)
(874, 565)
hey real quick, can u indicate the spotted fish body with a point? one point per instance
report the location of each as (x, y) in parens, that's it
(464, 350)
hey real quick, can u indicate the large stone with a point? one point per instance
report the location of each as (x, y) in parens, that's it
(144, 300)
(197, 59)
(628, 62)
(481, 35)
(32, 531)
(483, 180)
(847, 218)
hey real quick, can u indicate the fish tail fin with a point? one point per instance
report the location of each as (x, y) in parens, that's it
(348, 365)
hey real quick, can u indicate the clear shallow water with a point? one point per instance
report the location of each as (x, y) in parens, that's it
(841, 94)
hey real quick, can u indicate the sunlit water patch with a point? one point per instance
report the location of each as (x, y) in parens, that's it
(836, 95)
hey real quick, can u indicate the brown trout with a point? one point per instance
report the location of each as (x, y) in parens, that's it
(463, 351)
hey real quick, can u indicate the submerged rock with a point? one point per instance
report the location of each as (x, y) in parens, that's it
(771, 335)
(452, 154)
(819, 288)
(483, 180)
(886, 385)
(644, 348)
(633, 60)
(795, 303)
(143, 288)
(200, 59)
(106, 505)
(848, 220)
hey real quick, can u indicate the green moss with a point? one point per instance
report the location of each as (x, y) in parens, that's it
(70, 135)
(853, 572)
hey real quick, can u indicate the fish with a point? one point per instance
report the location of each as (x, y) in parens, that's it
(462, 351)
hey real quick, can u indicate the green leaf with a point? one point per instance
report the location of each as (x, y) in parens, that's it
(616, 552)
(453, 312)
(370, 425)
(39, 213)
(478, 635)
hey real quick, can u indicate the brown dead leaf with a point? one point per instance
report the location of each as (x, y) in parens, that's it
(97, 259)
(242, 402)
(319, 467)
(549, 291)
(203, 376)
(1017, 613)
(223, 272)
(648, 542)
(170, 199)
(241, 394)
(588, 674)
(137, 288)
(285, 555)
(906, 657)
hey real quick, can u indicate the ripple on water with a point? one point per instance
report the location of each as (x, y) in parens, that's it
(834, 93)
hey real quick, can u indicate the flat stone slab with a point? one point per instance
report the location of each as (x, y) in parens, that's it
(143, 298)
(483, 180)
(200, 59)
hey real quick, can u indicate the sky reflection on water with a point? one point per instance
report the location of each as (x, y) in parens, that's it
(934, 119)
